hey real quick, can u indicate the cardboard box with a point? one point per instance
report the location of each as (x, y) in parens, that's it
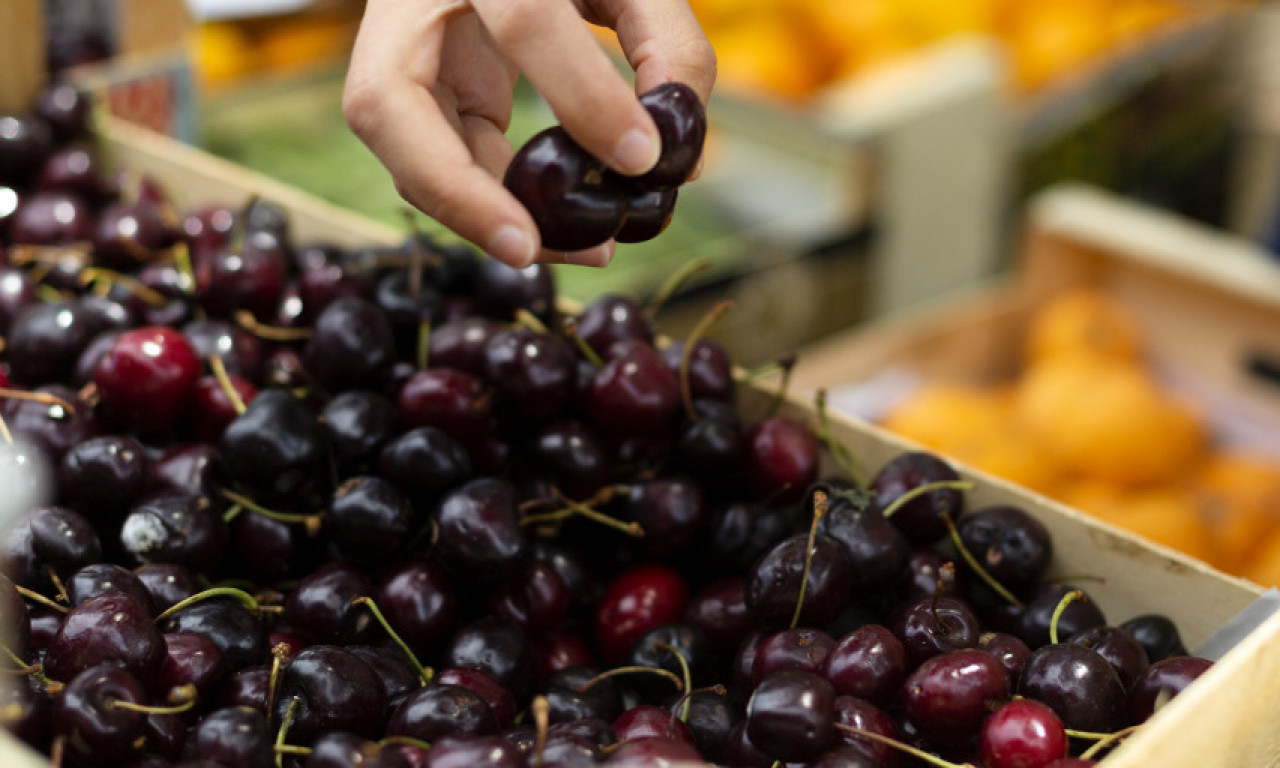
(1224, 721)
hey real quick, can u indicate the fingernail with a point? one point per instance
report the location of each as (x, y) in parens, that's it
(512, 246)
(636, 152)
(599, 256)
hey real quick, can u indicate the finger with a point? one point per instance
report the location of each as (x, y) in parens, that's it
(437, 175)
(662, 41)
(549, 41)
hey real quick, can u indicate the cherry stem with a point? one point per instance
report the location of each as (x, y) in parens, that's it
(840, 453)
(784, 365)
(526, 319)
(946, 578)
(89, 394)
(232, 512)
(182, 262)
(685, 674)
(571, 330)
(35, 670)
(43, 398)
(246, 599)
(285, 723)
(919, 754)
(240, 227)
(424, 674)
(973, 563)
(541, 722)
(674, 282)
(407, 741)
(418, 256)
(111, 277)
(920, 490)
(36, 597)
(424, 343)
(311, 521)
(1066, 600)
(278, 653)
(58, 586)
(683, 703)
(245, 319)
(582, 509)
(1104, 740)
(618, 671)
(291, 749)
(224, 381)
(686, 355)
(819, 509)
(184, 694)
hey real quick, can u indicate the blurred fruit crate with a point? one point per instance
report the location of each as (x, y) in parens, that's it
(1184, 418)
(1132, 576)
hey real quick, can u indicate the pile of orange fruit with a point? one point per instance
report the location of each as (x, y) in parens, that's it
(1088, 423)
(790, 49)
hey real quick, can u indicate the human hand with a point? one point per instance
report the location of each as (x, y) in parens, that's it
(429, 91)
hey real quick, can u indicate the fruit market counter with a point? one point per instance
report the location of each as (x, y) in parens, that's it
(1225, 719)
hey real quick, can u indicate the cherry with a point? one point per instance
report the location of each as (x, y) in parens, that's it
(15, 617)
(637, 601)
(573, 458)
(935, 626)
(321, 607)
(454, 402)
(569, 698)
(804, 649)
(738, 533)
(76, 171)
(25, 143)
(459, 344)
(27, 712)
(250, 279)
(774, 584)
(499, 291)
(232, 736)
(16, 292)
(611, 318)
(224, 620)
(1119, 649)
(682, 127)
(352, 346)
(148, 378)
(65, 109)
(49, 543)
(369, 520)
(1009, 650)
(424, 463)
(536, 600)
(634, 393)
(104, 474)
(790, 715)
(479, 533)
(782, 458)
(558, 648)
(864, 716)
(501, 703)
(440, 710)
(100, 578)
(1162, 681)
(129, 233)
(878, 553)
(674, 647)
(112, 628)
(46, 340)
(648, 721)
(419, 603)
(647, 752)
(946, 697)
(845, 757)
(208, 229)
(869, 663)
(168, 583)
(497, 647)
(50, 218)
(89, 715)
(340, 749)
(329, 689)
(740, 751)
(1077, 684)
(174, 528)
(241, 353)
(573, 198)
(276, 447)
(392, 667)
(670, 510)
(647, 214)
(191, 659)
(719, 609)
(712, 447)
(1157, 635)
(1022, 733)
(246, 688)
(1011, 545)
(920, 519)
(1078, 615)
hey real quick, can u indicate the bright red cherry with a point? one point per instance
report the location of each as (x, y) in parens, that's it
(782, 458)
(640, 599)
(148, 377)
(1022, 733)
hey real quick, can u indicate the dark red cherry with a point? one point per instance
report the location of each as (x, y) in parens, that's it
(1011, 545)
(419, 603)
(804, 649)
(27, 709)
(559, 648)
(710, 368)
(647, 214)
(224, 620)
(241, 352)
(174, 528)
(252, 279)
(276, 447)
(190, 469)
(737, 534)
(919, 519)
(638, 600)
(457, 403)
(674, 647)
(352, 347)
(864, 716)
(1162, 681)
(232, 736)
(1011, 652)
(931, 627)
(499, 290)
(15, 618)
(845, 757)
(782, 458)
(474, 751)
(719, 609)
(682, 127)
(50, 218)
(321, 606)
(869, 663)
(96, 730)
(370, 520)
(536, 599)
(49, 542)
(45, 342)
(878, 552)
(424, 463)
(611, 318)
(65, 109)
(572, 457)
(773, 585)
(533, 375)
(168, 583)
(392, 667)
(147, 380)
(1119, 648)
(459, 344)
(208, 229)
(1157, 635)
(104, 475)
(76, 171)
(1079, 615)
(112, 628)
(10, 201)
(498, 647)
(671, 511)
(1022, 733)
(571, 196)
(340, 749)
(246, 688)
(441, 710)
(100, 578)
(790, 715)
(479, 533)
(501, 703)
(634, 393)
(947, 696)
(25, 143)
(405, 310)
(1080, 686)
(924, 576)
(334, 691)
(16, 291)
(648, 721)
(652, 751)
(739, 751)
(127, 234)
(569, 699)
(212, 408)
(191, 659)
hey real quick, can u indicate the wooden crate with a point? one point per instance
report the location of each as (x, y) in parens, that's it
(1224, 721)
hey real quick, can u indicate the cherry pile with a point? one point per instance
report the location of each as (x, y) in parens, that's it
(577, 202)
(389, 506)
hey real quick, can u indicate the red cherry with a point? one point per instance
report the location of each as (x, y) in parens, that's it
(147, 379)
(782, 454)
(1022, 734)
(639, 600)
(213, 409)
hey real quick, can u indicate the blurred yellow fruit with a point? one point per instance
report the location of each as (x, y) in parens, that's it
(1239, 497)
(1265, 566)
(1008, 452)
(1083, 321)
(770, 53)
(1107, 420)
(1053, 41)
(1134, 18)
(305, 42)
(940, 414)
(224, 53)
(1164, 515)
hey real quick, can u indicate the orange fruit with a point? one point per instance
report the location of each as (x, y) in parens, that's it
(1239, 496)
(1054, 40)
(1008, 452)
(1083, 321)
(771, 54)
(1163, 515)
(1107, 420)
(943, 414)
(1264, 568)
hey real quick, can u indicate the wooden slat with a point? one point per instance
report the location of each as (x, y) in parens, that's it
(22, 54)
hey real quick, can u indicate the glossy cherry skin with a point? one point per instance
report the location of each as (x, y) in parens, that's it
(569, 701)
(1079, 615)
(252, 279)
(1077, 684)
(1162, 681)
(276, 447)
(1022, 733)
(352, 347)
(682, 127)
(946, 697)
(370, 520)
(1119, 649)
(359, 424)
(869, 663)
(49, 540)
(670, 510)
(25, 143)
(321, 606)
(100, 578)
(878, 552)
(232, 736)
(237, 632)
(719, 609)
(94, 728)
(635, 602)
(801, 648)
(334, 690)
(16, 291)
(864, 716)
(424, 463)
(112, 628)
(1009, 650)
(440, 710)
(480, 536)
(45, 342)
(499, 291)
(647, 214)
(477, 751)
(737, 534)
(168, 583)
(789, 716)
(104, 475)
(148, 378)
(191, 659)
(51, 218)
(1011, 545)
(610, 318)
(65, 109)
(457, 403)
(927, 628)
(533, 375)
(345, 750)
(128, 233)
(1157, 635)
(497, 647)
(537, 599)
(570, 195)
(174, 528)
(459, 344)
(782, 458)
(241, 352)
(76, 171)
(501, 703)
(572, 456)
(919, 519)
(648, 721)
(419, 602)
(634, 393)
(773, 585)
